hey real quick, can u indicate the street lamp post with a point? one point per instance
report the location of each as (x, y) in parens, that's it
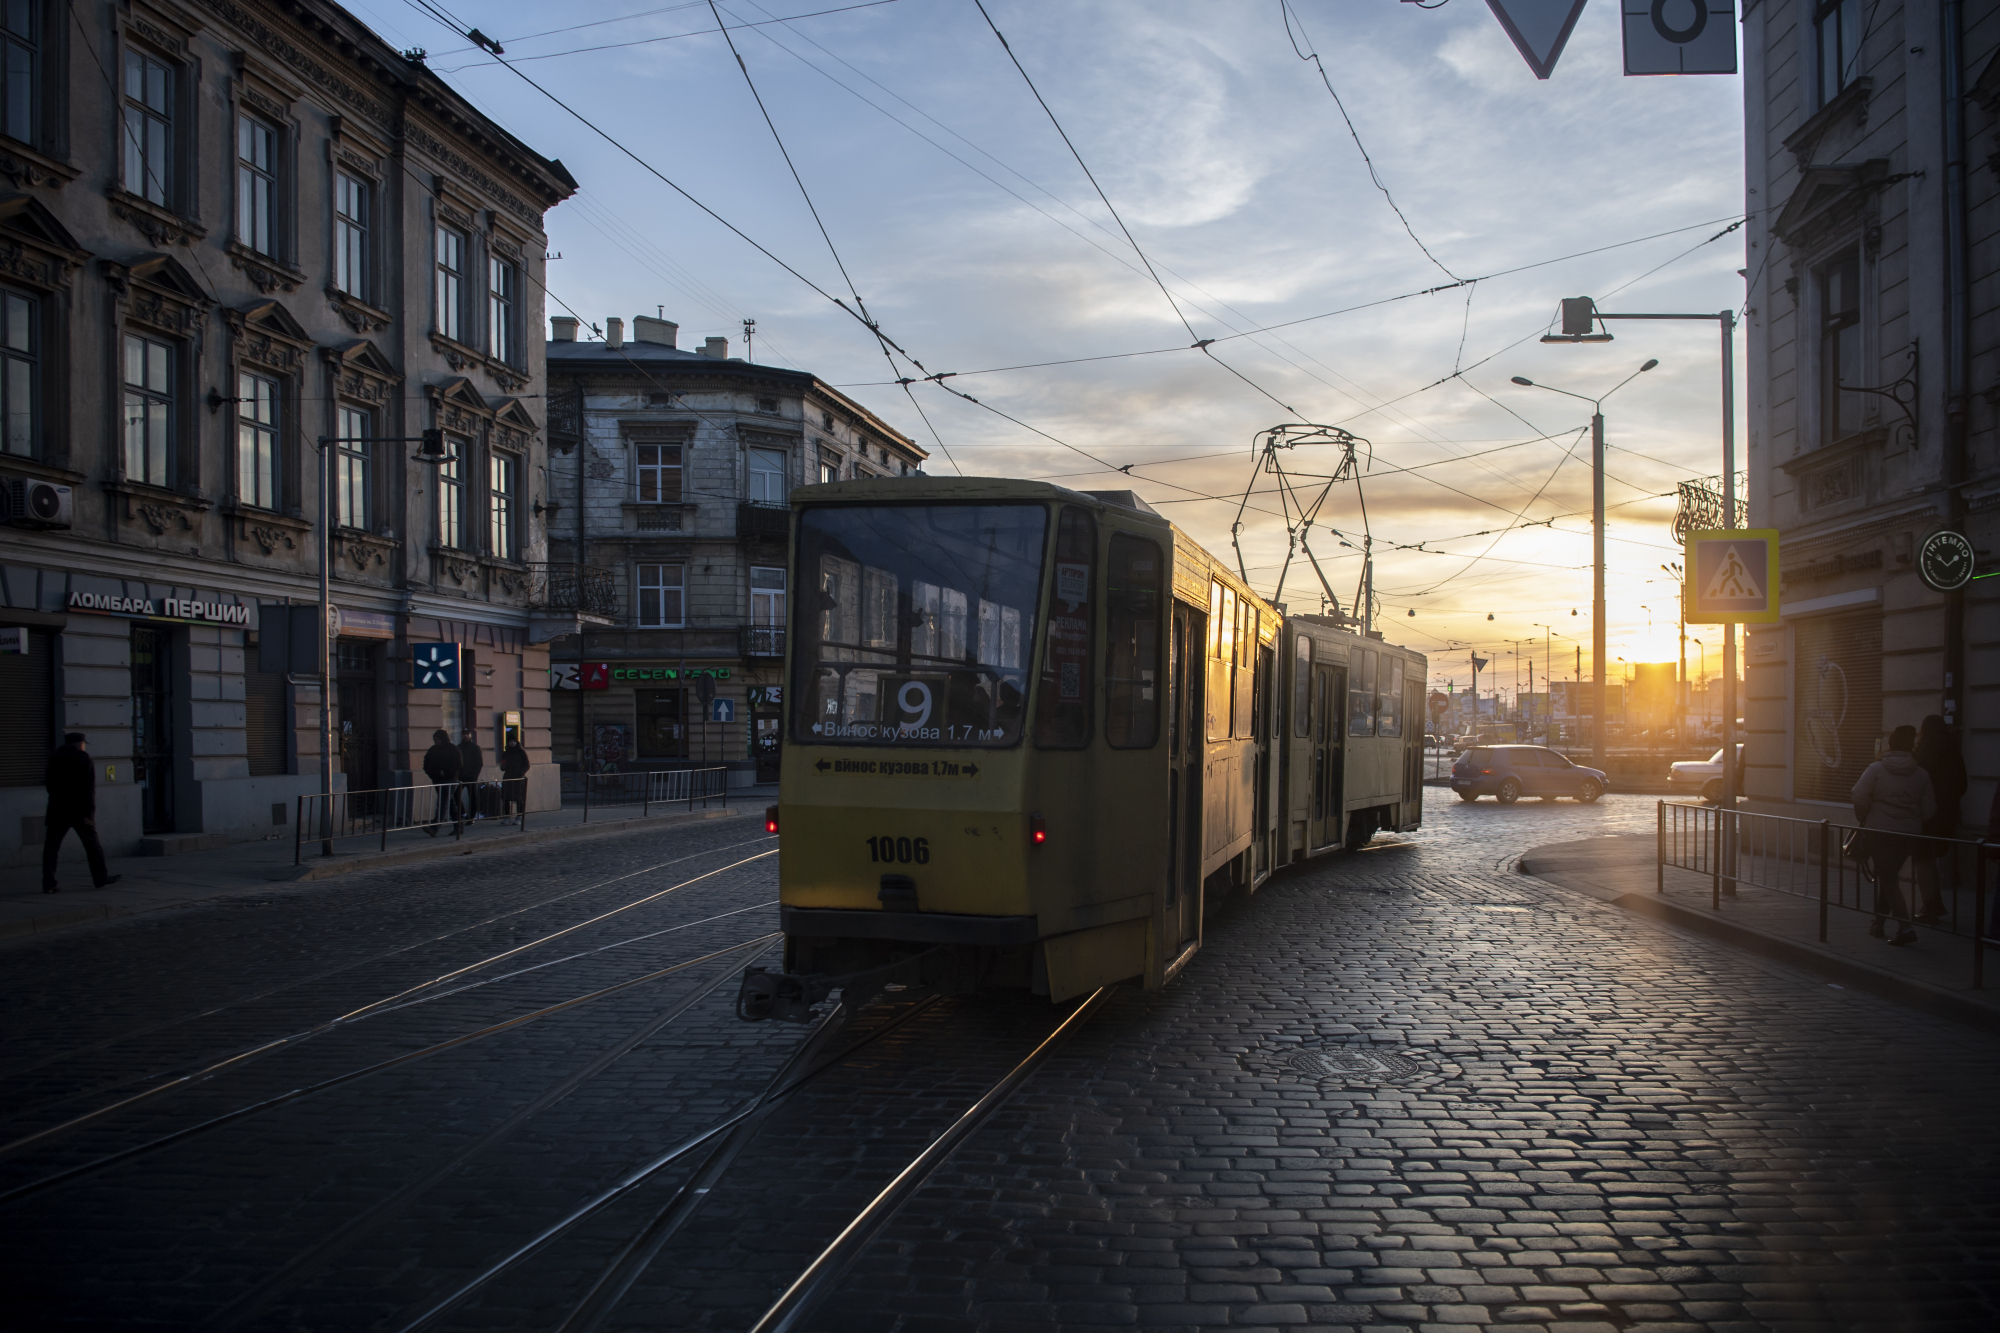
(1597, 630)
(1681, 697)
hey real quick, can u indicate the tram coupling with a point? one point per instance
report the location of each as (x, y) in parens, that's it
(950, 969)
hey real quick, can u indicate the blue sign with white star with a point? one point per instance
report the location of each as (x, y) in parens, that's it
(434, 666)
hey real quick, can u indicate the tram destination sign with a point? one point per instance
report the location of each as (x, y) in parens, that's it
(190, 609)
(895, 768)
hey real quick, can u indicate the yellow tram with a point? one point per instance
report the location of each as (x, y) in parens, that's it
(1031, 731)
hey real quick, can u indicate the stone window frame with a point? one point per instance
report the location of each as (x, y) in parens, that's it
(351, 154)
(167, 39)
(461, 411)
(40, 258)
(360, 377)
(265, 339)
(255, 93)
(155, 297)
(1809, 394)
(43, 160)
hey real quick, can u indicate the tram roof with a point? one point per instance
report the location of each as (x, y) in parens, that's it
(926, 490)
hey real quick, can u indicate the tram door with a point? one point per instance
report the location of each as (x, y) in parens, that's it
(1329, 713)
(1185, 731)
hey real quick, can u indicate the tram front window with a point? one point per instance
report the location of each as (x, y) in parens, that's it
(917, 622)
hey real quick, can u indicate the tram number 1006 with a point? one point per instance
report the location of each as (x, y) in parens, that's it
(903, 850)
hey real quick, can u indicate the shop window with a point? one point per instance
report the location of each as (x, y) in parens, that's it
(659, 473)
(503, 480)
(662, 727)
(450, 288)
(1837, 670)
(350, 236)
(767, 477)
(662, 589)
(149, 128)
(257, 436)
(256, 185)
(1132, 643)
(1840, 347)
(1062, 697)
(352, 468)
(451, 495)
(28, 722)
(149, 414)
(20, 374)
(503, 298)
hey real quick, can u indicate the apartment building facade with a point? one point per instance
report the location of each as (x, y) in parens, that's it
(239, 235)
(675, 469)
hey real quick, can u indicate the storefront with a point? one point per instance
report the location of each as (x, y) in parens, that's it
(620, 716)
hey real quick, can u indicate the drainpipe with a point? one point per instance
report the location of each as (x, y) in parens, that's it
(1958, 339)
(582, 555)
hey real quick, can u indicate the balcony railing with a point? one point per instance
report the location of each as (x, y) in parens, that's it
(763, 641)
(570, 587)
(763, 522)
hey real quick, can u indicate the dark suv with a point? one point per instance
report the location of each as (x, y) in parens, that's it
(1509, 772)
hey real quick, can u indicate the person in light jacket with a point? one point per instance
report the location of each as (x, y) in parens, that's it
(441, 764)
(1892, 802)
(514, 768)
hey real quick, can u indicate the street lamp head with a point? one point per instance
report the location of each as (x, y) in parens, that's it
(1649, 365)
(1523, 379)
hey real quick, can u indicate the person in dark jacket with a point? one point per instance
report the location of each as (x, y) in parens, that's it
(1893, 801)
(441, 763)
(1937, 753)
(71, 780)
(514, 767)
(471, 760)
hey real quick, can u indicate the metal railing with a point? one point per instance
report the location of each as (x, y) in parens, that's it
(763, 640)
(573, 587)
(380, 811)
(765, 522)
(645, 789)
(1829, 862)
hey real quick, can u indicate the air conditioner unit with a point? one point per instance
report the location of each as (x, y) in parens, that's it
(28, 503)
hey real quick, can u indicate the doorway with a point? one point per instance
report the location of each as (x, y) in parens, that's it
(357, 723)
(1329, 717)
(662, 728)
(152, 728)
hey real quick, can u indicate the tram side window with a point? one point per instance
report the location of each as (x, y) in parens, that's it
(1243, 720)
(1389, 713)
(1062, 699)
(1220, 693)
(1361, 695)
(1132, 644)
(1302, 674)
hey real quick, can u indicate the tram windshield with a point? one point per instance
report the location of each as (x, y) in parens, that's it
(916, 627)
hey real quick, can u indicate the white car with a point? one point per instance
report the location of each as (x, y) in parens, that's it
(1702, 775)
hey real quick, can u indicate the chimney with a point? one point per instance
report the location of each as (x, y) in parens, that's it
(659, 332)
(717, 348)
(614, 332)
(562, 328)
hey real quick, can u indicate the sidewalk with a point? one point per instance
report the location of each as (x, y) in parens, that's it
(1934, 974)
(247, 868)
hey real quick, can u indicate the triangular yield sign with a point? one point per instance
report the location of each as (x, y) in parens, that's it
(1539, 29)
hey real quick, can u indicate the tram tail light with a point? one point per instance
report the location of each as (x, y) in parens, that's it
(1038, 829)
(770, 819)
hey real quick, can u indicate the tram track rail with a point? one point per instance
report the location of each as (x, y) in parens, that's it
(238, 1059)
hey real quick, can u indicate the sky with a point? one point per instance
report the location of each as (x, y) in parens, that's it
(979, 242)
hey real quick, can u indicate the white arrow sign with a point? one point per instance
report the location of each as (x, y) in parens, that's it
(1539, 29)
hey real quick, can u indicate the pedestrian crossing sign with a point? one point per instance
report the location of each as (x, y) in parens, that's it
(1732, 577)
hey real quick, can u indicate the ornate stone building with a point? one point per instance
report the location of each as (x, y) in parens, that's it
(675, 469)
(238, 234)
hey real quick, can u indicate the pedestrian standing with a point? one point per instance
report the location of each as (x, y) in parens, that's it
(1892, 802)
(470, 761)
(441, 763)
(71, 780)
(1937, 753)
(514, 781)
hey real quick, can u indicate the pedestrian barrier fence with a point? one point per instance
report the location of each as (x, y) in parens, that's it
(328, 818)
(646, 789)
(1943, 881)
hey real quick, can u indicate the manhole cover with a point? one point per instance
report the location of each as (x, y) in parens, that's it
(1353, 1064)
(1357, 1062)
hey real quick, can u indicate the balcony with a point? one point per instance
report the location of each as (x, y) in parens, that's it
(763, 522)
(564, 599)
(763, 641)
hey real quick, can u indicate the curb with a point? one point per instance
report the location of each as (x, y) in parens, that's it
(1855, 976)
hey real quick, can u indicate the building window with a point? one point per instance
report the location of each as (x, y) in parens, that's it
(149, 88)
(1840, 347)
(662, 590)
(21, 92)
(768, 406)
(350, 236)
(767, 596)
(659, 472)
(767, 477)
(451, 284)
(502, 296)
(256, 184)
(451, 494)
(149, 402)
(351, 470)
(503, 472)
(257, 441)
(1837, 30)
(829, 469)
(20, 384)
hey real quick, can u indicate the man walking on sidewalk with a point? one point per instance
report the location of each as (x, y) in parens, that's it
(470, 761)
(1892, 801)
(71, 780)
(441, 767)
(514, 767)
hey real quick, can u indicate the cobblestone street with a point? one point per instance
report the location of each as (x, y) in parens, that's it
(1403, 1089)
